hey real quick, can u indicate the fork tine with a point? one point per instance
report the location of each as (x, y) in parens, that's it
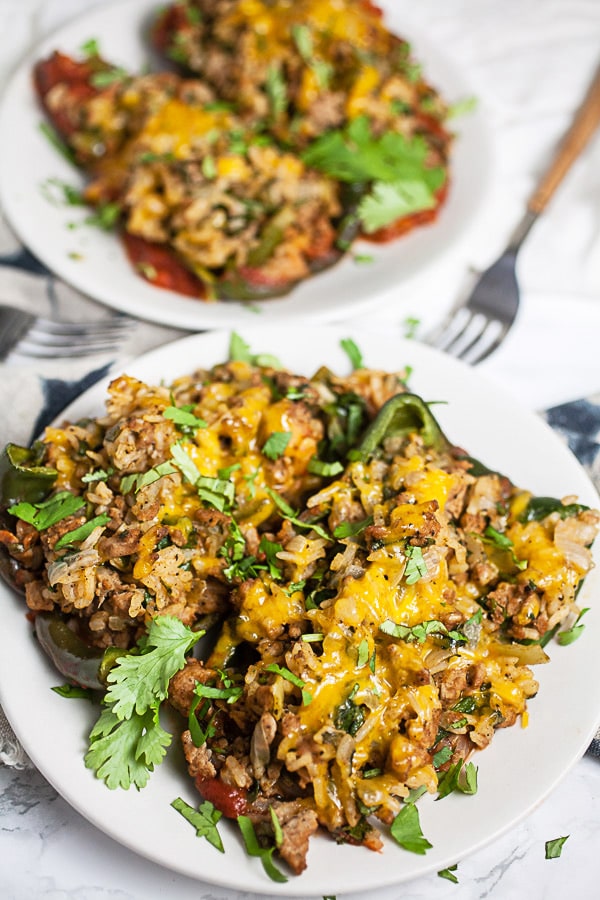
(73, 339)
(451, 333)
(100, 327)
(493, 345)
(51, 351)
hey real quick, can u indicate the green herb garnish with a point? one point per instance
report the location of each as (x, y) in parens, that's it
(204, 819)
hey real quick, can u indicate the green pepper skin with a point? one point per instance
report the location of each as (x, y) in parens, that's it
(540, 507)
(402, 415)
(21, 476)
(73, 658)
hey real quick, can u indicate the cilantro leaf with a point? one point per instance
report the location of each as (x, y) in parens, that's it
(288, 513)
(90, 47)
(138, 682)
(79, 534)
(73, 692)
(388, 202)
(47, 513)
(137, 480)
(240, 351)
(253, 848)
(324, 469)
(271, 549)
(124, 752)
(275, 445)
(350, 529)
(416, 567)
(353, 352)
(458, 777)
(185, 463)
(449, 873)
(52, 137)
(416, 633)
(217, 492)
(554, 847)
(108, 76)
(571, 634)
(350, 716)
(182, 416)
(276, 90)
(204, 819)
(406, 830)
(293, 679)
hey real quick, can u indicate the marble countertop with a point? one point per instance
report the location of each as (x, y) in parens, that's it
(529, 62)
(50, 852)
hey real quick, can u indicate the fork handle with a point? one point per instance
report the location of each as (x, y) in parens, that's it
(587, 119)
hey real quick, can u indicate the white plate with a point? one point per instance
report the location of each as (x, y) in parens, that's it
(514, 776)
(27, 159)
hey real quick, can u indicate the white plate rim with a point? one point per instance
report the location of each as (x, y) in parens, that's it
(333, 869)
(346, 289)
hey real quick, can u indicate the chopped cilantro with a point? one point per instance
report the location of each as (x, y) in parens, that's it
(217, 492)
(204, 819)
(136, 481)
(459, 777)
(362, 655)
(253, 848)
(97, 475)
(108, 76)
(74, 692)
(276, 443)
(48, 512)
(271, 549)
(185, 464)
(276, 91)
(293, 679)
(52, 137)
(61, 193)
(324, 469)
(449, 873)
(353, 352)
(230, 694)
(554, 847)
(571, 634)
(442, 756)
(288, 513)
(416, 566)
(350, 716)
(79, 534)
(239, 350)
(351, 529)
(181, 415)
(90, 48)
(462, 107)
(406, 830)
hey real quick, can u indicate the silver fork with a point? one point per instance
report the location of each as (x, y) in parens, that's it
(35, 336)
(477, 325)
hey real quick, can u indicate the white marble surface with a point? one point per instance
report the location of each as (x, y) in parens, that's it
(529, 61)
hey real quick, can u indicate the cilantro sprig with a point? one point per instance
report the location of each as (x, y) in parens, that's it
(392, 165)
(128, 741)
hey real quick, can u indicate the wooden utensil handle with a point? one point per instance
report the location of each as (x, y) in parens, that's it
(587, 119)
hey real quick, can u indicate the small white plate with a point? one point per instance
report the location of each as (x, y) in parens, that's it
(515, 773)
(95, 262)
